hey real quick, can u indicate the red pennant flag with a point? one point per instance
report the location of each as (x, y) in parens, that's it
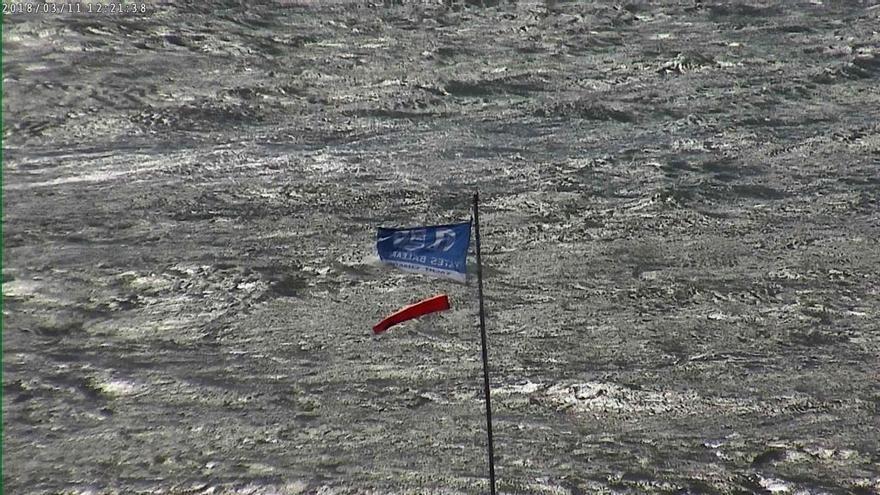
(421, 308)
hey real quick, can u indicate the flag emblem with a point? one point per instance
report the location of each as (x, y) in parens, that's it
(439, 250)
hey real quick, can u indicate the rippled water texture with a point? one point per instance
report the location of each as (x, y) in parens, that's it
(680, 229)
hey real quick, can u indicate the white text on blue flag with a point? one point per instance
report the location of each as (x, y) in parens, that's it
(439, 250)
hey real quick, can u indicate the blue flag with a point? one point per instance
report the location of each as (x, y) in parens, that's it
(439, 250)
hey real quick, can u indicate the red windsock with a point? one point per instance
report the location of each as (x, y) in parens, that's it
(421, 308)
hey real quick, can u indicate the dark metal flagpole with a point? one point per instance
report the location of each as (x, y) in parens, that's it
(483, 340)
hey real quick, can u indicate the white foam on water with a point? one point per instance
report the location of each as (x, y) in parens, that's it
(20, 288)
(611, 398)
(118, 388)
(773, 485)
(526, 388)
